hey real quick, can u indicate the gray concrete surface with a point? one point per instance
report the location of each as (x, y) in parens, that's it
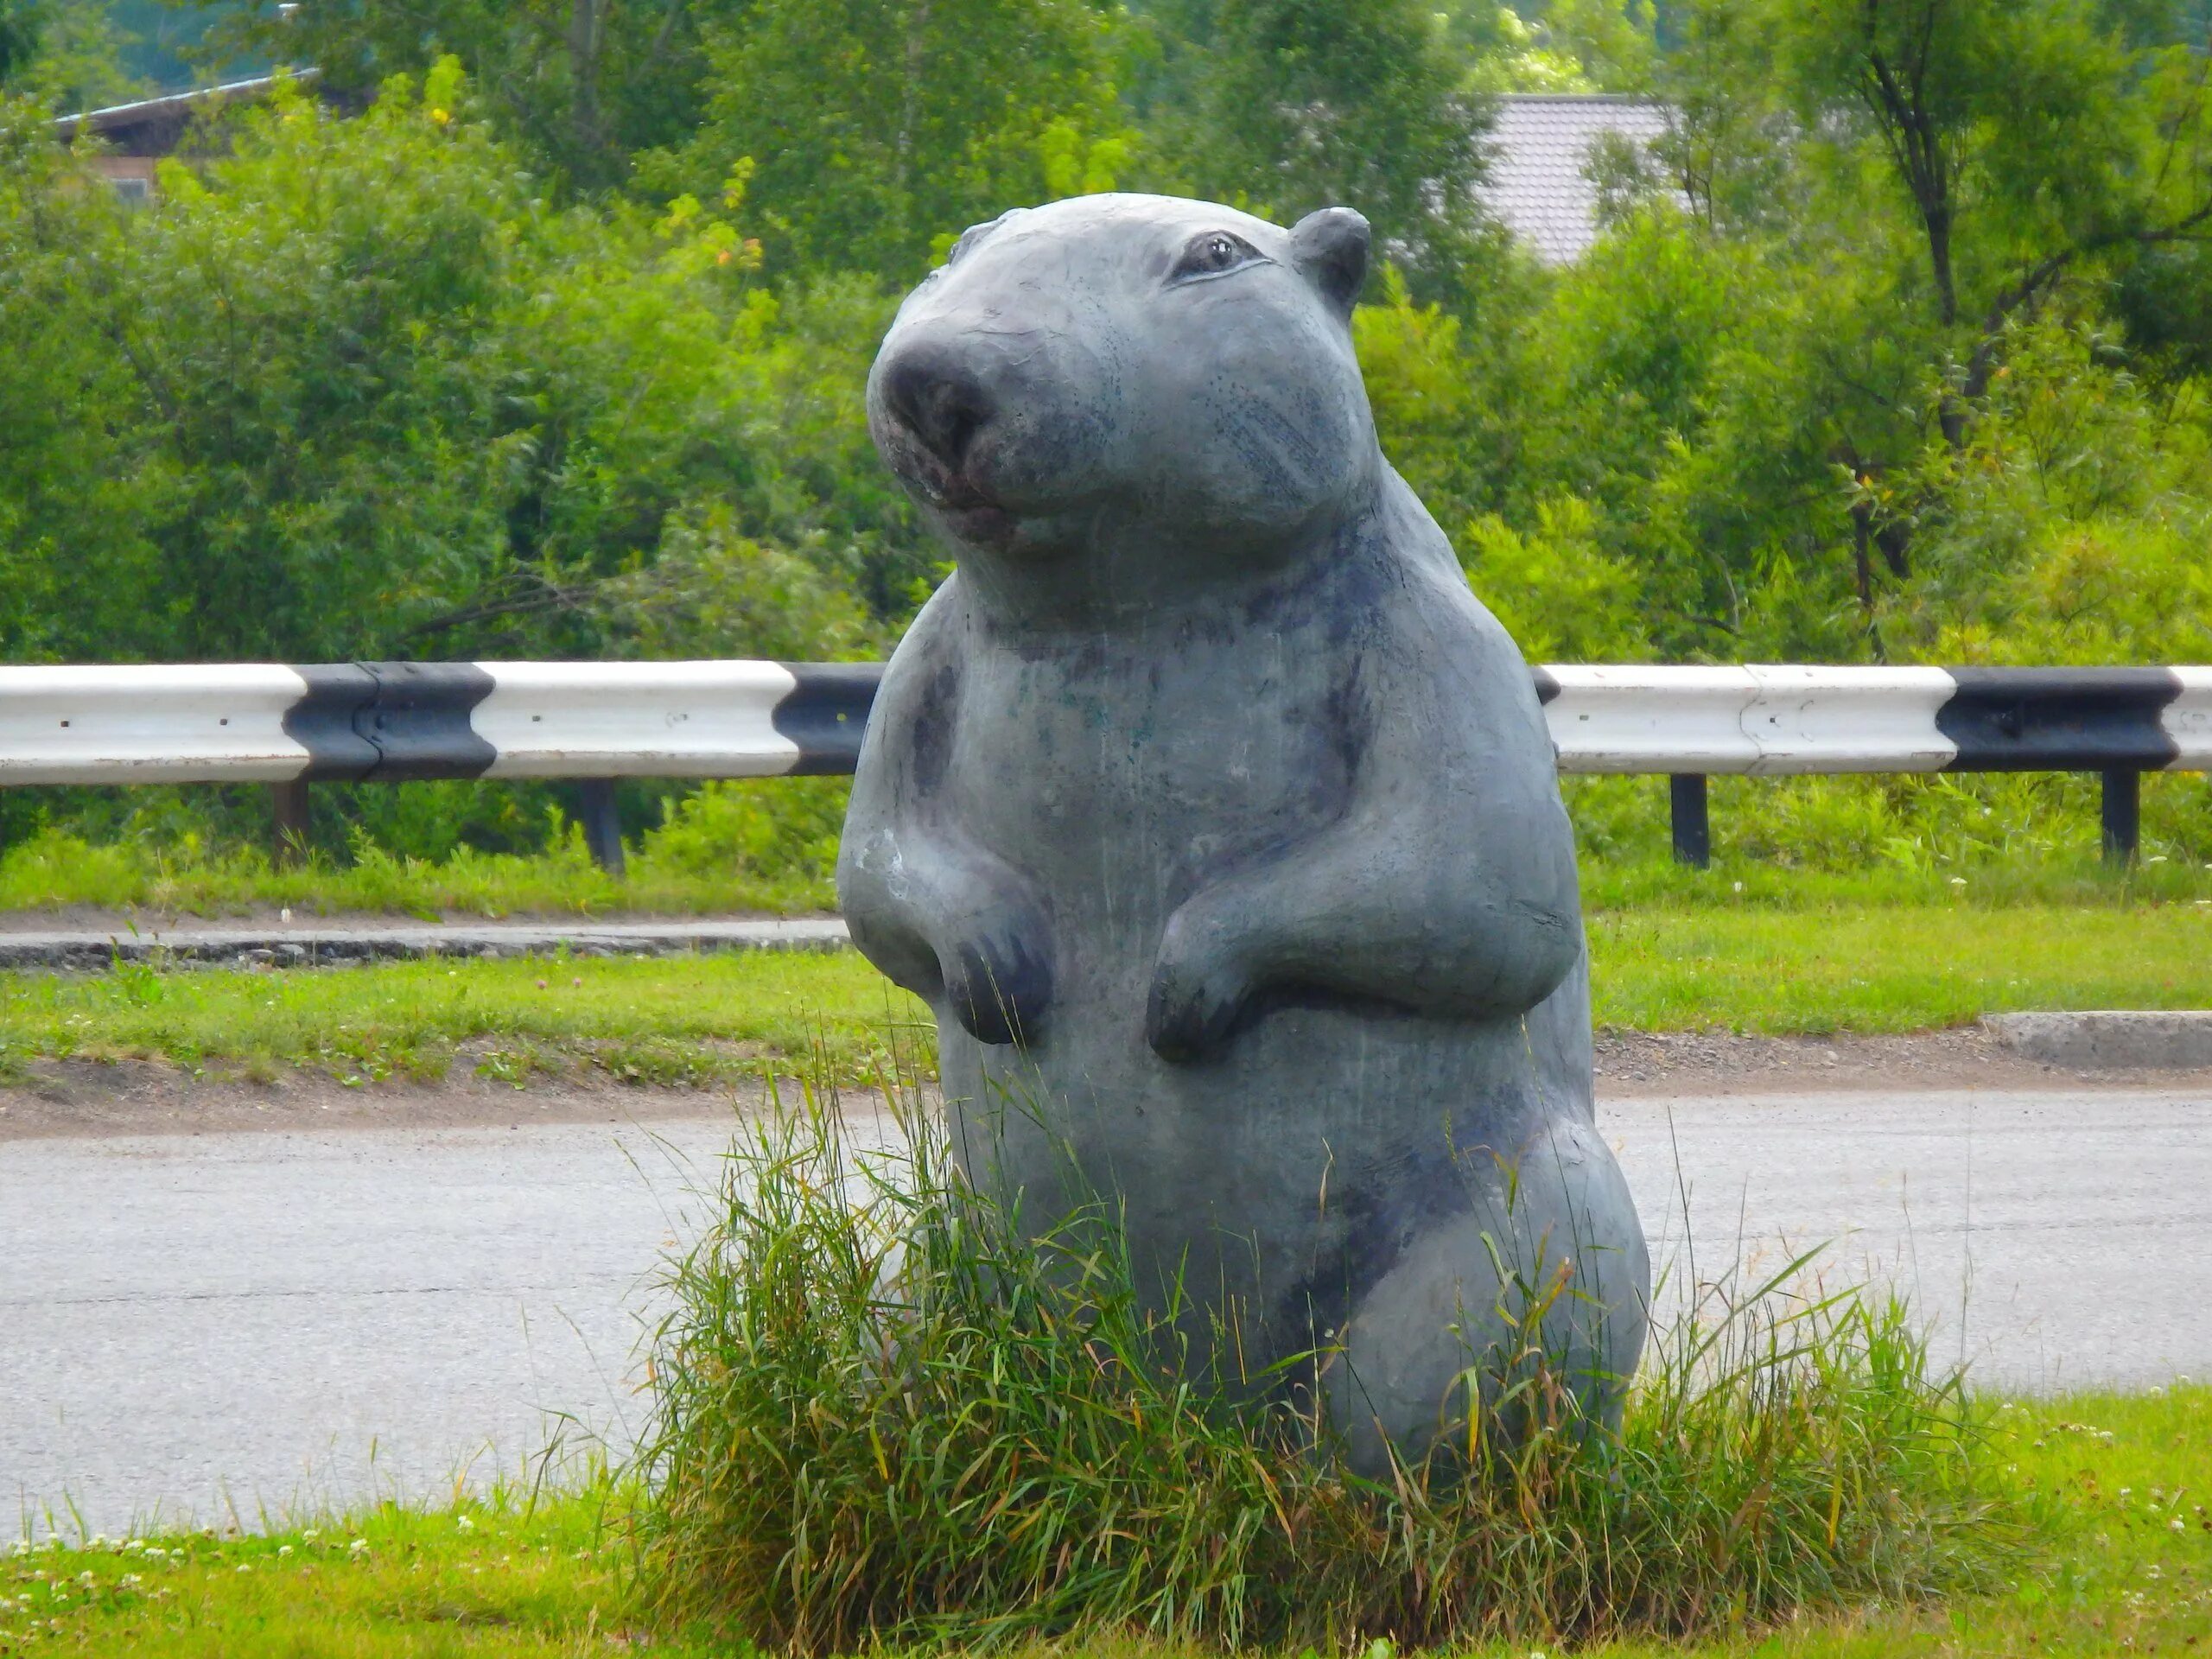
(318, 941)
(285, 1320)
(2101, 1038)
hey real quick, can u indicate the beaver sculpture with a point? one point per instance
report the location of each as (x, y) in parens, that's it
(1218, 821)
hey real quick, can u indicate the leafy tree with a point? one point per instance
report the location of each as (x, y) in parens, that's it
(1287, 105)
(21, 24)
(360, 388)
(1902, 189)
(1565, 45)
(64, 59)
(2029, 142)
(871, 132)
(582, 85)
(81, 476)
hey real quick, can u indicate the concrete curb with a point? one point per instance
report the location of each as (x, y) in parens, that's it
(310, 945)
(2171, 1040)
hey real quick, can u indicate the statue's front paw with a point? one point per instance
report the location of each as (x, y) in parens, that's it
(998, 979)
(1199, 987)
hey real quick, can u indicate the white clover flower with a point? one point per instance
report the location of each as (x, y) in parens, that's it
(465, 1524)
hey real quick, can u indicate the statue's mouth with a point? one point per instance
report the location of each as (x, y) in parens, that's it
(967, 507)
(975, 517)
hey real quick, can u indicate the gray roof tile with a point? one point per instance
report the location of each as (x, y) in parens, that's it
(1539, 150)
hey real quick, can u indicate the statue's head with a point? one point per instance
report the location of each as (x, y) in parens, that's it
(1116, 367)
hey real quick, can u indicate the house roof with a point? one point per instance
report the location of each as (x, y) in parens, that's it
(1540, 152)
(153, 126)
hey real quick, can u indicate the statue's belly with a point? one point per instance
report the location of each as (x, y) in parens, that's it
(1123, 776)
(1288, 1170)
(1282, 1176)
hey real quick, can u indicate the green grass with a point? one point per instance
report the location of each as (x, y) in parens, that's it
(55, 871)
(892, 1413)
(696, 1020)
(1747, 966)
(704, 1020)
(498, 1578)
(768, 845)
(557, 1578)
(2079, 882)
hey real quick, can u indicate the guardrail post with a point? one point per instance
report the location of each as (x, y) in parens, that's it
(603, 824)
(288, 805)
(1692, 822)
(2123, 814)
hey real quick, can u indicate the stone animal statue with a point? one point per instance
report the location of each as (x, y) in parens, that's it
(1217, 819)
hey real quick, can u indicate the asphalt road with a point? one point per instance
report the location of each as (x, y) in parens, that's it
(312, 939)
(277, 1321)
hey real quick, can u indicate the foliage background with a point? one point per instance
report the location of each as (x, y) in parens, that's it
(540, 330)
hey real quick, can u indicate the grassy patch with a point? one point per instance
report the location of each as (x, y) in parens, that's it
(697, 1019)
(2110, 1474)
(1747, 967)
(692, 1019)
(1735, 884)
(770, 845)
(497, 1578)
(53, 872)
(759, 844)
(889, 1414)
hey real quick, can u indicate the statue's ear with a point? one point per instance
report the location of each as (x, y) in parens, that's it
(1331, 248)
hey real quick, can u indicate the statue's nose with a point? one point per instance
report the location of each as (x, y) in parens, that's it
(938, 398)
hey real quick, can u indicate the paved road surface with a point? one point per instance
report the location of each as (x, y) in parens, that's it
(363, 938)
(285, 1320)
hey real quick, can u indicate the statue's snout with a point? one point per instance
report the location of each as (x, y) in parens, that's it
(935, 394)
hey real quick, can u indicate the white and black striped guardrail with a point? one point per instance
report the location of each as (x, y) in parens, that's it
(1782, 720)
(290, 727)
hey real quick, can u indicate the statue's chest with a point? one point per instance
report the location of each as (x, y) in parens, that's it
(1139, 766)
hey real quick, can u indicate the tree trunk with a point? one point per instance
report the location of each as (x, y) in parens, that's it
(1862, 543)
(587, 34)
(910, 112)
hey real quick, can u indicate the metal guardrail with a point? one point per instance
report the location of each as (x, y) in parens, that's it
(1788, 719)
(290, 727)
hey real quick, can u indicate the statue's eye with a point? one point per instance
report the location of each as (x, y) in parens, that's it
(1210, 253)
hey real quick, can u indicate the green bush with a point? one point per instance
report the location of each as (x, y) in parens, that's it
(886, 1415)
(769, 828)
(1936, 825)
